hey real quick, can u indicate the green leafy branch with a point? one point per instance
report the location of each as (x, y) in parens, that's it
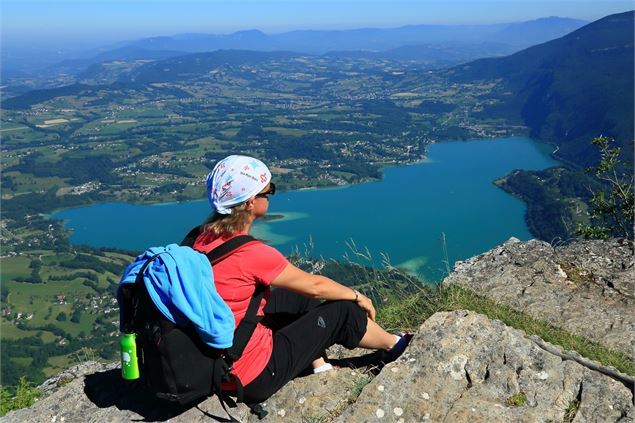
(612, 209)
(25, 396)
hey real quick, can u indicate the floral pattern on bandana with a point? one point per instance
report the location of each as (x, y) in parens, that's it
(234, 180)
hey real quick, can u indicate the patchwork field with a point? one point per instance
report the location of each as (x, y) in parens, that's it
(58, 303)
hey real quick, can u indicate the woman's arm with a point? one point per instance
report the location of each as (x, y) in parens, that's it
(320, 287)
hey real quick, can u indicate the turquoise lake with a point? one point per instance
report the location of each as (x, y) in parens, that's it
(404, 216)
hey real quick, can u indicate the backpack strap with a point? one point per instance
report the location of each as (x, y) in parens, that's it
(222, 251)
(191, 236)
(247, 326)
(139, 292)
(228, 247)
(139, 279)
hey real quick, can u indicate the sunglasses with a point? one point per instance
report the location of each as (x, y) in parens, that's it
(270, 191)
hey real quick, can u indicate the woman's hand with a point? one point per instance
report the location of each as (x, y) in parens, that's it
(365, 304)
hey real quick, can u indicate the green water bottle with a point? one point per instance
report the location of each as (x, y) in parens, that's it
(129, 364)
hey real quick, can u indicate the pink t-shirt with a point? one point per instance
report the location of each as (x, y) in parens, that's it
(235, 278)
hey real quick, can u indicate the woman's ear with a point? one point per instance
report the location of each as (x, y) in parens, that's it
(250, 203)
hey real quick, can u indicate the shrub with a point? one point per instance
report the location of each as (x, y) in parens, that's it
(25, 396)
(611, 209)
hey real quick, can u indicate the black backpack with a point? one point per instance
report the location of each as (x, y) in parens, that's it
(174, 363)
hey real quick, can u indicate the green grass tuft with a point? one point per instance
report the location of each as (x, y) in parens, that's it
(571, 410)
(412, 310)
(517, 400)
(359, 385)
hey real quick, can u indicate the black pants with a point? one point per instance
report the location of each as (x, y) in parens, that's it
(303, 330)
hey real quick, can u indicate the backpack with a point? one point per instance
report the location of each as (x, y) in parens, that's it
(174, 362)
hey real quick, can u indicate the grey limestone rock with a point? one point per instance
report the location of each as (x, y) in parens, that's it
(459, 367)
(98, 394)
(586, 287)
(317, 398)
(463, 367)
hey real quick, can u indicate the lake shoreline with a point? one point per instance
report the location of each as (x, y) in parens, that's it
(383, 168)
(456, 177)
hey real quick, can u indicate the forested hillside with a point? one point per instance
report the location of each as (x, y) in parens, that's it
(569, 90)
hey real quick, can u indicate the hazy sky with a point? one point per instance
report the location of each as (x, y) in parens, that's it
(95, 21)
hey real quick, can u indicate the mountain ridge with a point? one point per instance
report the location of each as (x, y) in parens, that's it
(373, 39)
(569, 90)
(300, 41)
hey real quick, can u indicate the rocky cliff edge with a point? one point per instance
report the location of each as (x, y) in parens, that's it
(460, 367)
(586, 288)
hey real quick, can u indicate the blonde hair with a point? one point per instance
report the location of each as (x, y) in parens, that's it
(224, 225)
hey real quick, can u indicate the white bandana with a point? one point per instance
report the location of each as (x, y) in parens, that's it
(234, 180)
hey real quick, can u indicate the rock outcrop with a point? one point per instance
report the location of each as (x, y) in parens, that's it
(463, 367)
(586, 287)
(460, 367)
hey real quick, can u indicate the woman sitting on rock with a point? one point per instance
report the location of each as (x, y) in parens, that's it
(298, 328)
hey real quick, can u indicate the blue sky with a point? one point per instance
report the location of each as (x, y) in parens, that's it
(99, 21)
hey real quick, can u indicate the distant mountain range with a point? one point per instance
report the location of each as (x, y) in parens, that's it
(569, 90)
(438, 45)
(518, 35)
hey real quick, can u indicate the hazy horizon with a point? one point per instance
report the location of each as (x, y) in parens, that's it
(90, 23)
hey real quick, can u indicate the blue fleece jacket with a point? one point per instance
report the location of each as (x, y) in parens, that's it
(181, 284)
